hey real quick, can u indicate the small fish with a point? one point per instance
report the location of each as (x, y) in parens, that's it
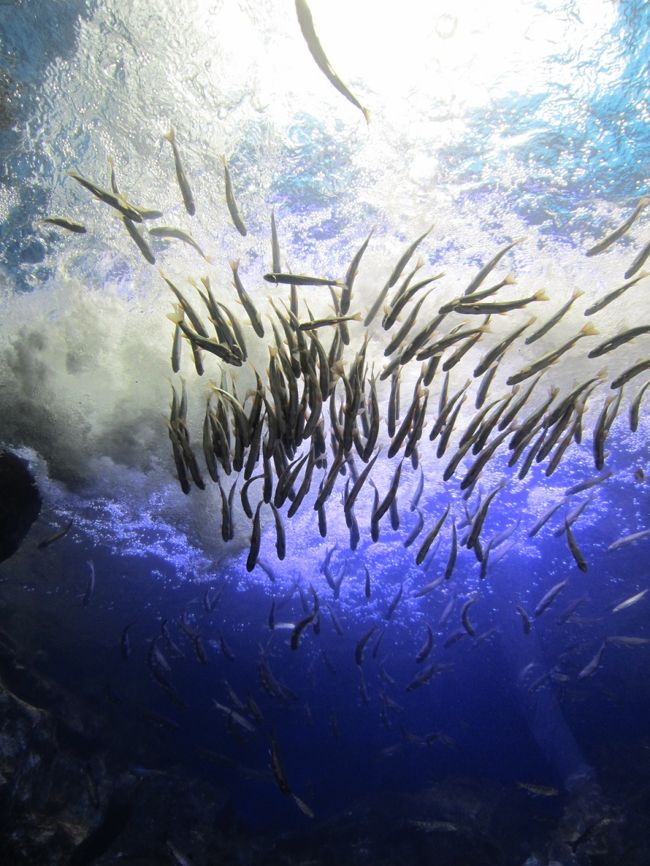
(573, 547)
(139, 240)
(186, 192)
(485, 270)
(633, 599)
(328, 322)
(346, 294)
(64, 223)
(525, 619)
(367, 589)
(618, 340)
(587, 330)
(430, 538)
(299, 629)
(90, 586)
(612, 296)
(316, 49)
(116, 201)
(179, 235)
(486, 308)
(607, 241)
(627, 640)
(635, 408)
(361, 645)
(638, 262)
(629, 539)
(256, 535)
(125, 643)
(301, 280)
(546, 327)
(426, 676)
(393, 605)
(246, 301)
(56, 537)
(464, 616)
(586, 485)
(591, 668)
(538, 790)
(426, 647)
(230, 200)
(630, 373)
(548, 598)
(275, 245)
(235, 717)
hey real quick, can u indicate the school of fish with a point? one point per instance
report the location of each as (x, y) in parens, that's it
(307, 432)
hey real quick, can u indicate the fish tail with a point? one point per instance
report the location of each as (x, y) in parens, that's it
(170, 135)
(234, 264)
(577, 293)
(589, 330)
(541, 295)
(366, 115)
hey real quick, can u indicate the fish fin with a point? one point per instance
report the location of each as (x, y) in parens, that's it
(510, 280)
(577, 293)
(234, 264)
(366, 115)
(589, 330)
(170, 136)
(541, 295)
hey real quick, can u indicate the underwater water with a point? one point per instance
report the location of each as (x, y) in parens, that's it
(169, 693)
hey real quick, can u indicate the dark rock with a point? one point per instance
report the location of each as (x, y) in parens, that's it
(20, 502)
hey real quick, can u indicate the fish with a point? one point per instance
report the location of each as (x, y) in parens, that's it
(495, 354)
(548, 598)
(628, 602)
(300, 627)
(230, 200)
(316, 49)
(550, 323)
(630, 373)
(485, 270)
(186, 192)
(619, 340)
(246, 301)
(361, 645)
(301, 280)
(90, 586)
(611, 238)
(638, 262)
(393, 605)
(125, 643)
(256, 535)
(367, 589)
(573, 547)
(417, 529)
(587, 330)
(430, 538)
(464, 616)
(629, 539)
(64, 223)
(427, 588)
(525, 619)
(328, 321)
(426, 676)
(538, 790)
(234, 716)
(351, 273)
(591, 668)
(590, 482)
(486, 308)
(635, 408)
(56, 537)
(397, 270)
(426, 647)
(381, 509)
(627, 640)
(139, 240)
(275, 245)
(179, 235)
(115, 201)
(486, 381)
(612, 296)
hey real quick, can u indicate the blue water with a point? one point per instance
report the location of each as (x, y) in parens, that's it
(573, 156)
